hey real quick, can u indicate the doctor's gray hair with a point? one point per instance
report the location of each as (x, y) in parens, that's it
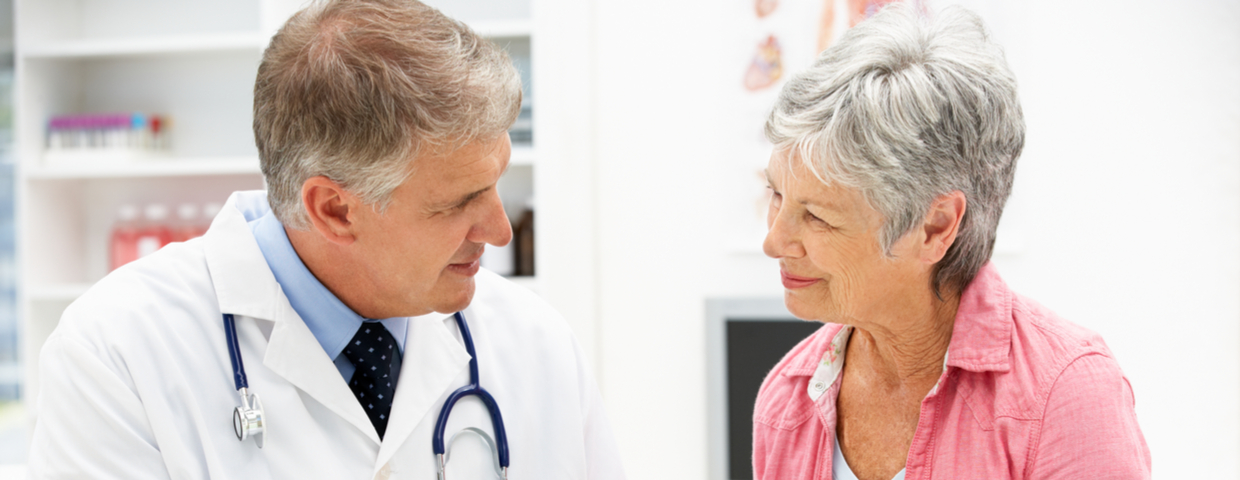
(907, 108)
(354, 90)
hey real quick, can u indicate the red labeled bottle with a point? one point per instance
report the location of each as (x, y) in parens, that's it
(124, 241)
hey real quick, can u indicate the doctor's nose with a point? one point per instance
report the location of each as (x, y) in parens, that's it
(493, 227)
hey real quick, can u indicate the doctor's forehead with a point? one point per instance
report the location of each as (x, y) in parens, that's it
(463, 173)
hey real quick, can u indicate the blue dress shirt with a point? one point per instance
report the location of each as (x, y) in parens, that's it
(331, 321)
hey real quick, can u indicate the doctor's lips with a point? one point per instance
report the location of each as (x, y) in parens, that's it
(469, 267)
(792, 281)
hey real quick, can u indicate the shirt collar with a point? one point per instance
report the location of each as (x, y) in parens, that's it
(982, 335)
(830, 364)
(331, 321)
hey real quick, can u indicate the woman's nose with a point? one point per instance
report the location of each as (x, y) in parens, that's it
(781, 240)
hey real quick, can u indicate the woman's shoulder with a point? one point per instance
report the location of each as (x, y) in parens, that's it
(1001, 331)
(1081, 393)
(1044, 352)
(1015, 351)
(1043, 338)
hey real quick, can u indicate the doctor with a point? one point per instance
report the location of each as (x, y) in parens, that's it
(381, 128)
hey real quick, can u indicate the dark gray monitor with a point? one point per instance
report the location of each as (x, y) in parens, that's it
(747, 337)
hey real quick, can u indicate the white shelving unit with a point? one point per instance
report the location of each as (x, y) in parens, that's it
(193, 61)
(158, 167)
(154, 45)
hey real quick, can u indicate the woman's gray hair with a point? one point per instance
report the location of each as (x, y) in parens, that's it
(355, 89)
(907, 109)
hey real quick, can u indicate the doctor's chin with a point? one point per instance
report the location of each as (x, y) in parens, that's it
(338, 324)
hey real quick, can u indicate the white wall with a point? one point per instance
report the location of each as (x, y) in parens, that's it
(1129, 204)
(1126, 216)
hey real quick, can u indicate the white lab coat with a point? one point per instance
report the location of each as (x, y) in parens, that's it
(136, 381)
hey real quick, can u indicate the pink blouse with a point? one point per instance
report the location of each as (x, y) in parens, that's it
(1024, 395)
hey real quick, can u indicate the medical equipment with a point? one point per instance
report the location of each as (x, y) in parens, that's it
(248, 418)
(497, 422)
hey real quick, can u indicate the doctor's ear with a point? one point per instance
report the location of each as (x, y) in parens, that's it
(330, 209)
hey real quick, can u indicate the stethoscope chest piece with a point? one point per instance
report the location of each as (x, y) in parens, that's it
(248, 419)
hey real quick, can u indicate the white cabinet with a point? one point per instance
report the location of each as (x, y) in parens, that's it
(194, 61)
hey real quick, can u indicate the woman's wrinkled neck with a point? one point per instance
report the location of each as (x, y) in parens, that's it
(909, 346)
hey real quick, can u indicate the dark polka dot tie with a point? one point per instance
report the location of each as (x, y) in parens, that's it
(373, 351)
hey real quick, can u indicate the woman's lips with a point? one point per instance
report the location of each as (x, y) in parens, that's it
(792, 281)
(466, 269)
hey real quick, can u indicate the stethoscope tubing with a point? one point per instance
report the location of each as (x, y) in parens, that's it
(234, 353)
(437, 444)
(497, 422)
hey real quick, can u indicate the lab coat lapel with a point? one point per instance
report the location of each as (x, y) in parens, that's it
(245, 286)
(243, 283)
(432, 359)
(294, 353)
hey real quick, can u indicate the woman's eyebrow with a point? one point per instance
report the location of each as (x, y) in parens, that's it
(824, 205)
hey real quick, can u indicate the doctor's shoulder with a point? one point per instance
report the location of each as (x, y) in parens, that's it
(165, 292)
(515, 304)
(529, 325)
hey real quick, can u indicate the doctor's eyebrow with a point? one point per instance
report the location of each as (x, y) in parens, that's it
(464, 201)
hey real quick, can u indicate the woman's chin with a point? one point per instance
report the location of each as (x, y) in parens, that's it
(795, 302)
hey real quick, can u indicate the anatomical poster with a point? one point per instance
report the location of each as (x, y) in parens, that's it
(783, 37)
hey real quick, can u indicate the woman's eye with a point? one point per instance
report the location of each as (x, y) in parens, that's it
(814, 218)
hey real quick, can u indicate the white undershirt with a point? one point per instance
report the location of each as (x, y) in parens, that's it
(841, 471)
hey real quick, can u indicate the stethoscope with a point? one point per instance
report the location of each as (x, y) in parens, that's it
(248, 418)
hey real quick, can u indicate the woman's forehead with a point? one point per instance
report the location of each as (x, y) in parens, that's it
(800, 184)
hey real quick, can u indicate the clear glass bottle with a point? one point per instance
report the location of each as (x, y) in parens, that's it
(209, 211)
(186, 226)
(154, 233)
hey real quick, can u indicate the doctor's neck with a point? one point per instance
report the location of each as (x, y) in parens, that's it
(337, 269)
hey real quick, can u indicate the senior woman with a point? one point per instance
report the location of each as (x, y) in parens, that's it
(895, 153)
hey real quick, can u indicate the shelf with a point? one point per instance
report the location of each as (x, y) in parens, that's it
(68, 292)
(178, 167)
(220, 42)
(163, 167)
(122, 47)
(501, 28)
(59, 292)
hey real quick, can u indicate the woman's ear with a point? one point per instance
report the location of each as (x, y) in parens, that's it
(331, 209)
(942, 224)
